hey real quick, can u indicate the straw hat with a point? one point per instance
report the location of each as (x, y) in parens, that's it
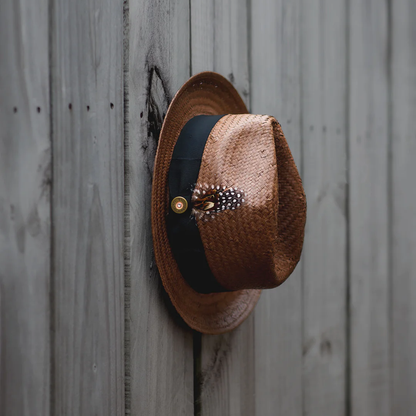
(228, 206)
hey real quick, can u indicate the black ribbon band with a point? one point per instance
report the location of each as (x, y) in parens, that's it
(183, 233)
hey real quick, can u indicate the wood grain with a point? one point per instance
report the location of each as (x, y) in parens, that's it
(275, 90)
(403, 197)
(368, 207)
(220, 41)
(324, 130)
(84, 331)
(225, 363)
(87, 118)
(160, 345)
(226, 374)
(25, 180)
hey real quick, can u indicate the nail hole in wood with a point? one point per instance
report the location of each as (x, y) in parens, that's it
(111, 105)
(14, 109)
(88, 108)
(38, 109)
(70, 106)
(141, 114)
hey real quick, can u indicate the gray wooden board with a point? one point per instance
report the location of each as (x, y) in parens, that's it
(290, 356)
(87, 119)
(324, 105)
(25, 177)
(275, 90)
(220, 41)
(225, 374)
(160, 352)
(368, 208)
(403, 149)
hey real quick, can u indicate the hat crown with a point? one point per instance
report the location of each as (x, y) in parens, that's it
(251, 246)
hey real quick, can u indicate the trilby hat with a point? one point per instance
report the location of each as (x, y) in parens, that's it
(228, 206)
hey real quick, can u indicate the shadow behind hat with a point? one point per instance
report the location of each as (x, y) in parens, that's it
(248, 206)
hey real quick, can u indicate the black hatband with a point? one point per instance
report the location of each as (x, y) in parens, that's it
(183, 233)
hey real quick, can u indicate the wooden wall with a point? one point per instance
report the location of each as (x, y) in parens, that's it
(85, 325)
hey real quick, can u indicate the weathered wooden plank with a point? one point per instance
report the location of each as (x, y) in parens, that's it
(220, 41)
(368, 207)
(226, 374)
(87, 114)
(160, 346)
(275, 90)
(324, 113)
(25, 177)
(403, 149)
(202, 35)
(225, 365)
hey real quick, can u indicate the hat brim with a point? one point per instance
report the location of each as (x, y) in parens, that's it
(206, 93)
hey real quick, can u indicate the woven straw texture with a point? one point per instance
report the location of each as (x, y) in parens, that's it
(258, 244)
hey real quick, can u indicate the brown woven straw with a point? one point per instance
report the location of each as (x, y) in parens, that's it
(259, 244)
(252, 247)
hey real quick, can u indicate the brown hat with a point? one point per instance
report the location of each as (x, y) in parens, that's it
(228, 206)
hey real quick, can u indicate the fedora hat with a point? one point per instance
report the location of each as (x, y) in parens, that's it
(228, 206)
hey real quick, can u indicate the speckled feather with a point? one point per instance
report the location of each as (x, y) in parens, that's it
(210, 200)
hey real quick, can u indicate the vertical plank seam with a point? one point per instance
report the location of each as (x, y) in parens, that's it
(249, 106)
(249, 38)
(348, 215)
(52, 313)
(301, 171)
(214, 40)
(197, 358)
(196, 337)
(126, 248)
(190, 37)
(390, 194)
